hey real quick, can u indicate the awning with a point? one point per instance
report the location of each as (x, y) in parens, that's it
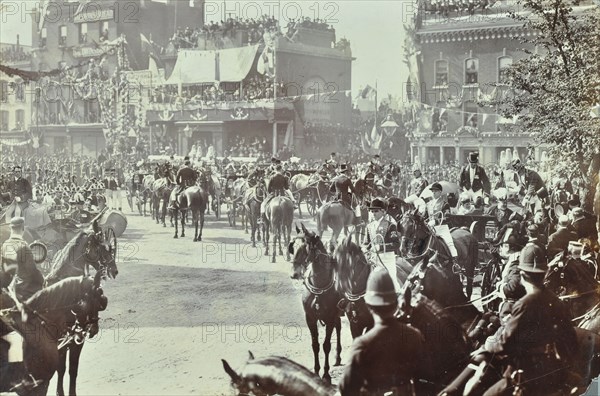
(208, 67)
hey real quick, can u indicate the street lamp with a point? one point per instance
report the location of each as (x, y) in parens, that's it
(389, 126)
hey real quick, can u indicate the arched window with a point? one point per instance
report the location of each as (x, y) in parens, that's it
(471, 71)
(470, 116)
(20, 120)
(3, 91)
(441, 73)
(504, 63)
(4, 120)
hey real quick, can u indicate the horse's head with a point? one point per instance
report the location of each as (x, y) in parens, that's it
(86, 311)
(305, 249)
(350, 263)
(100, 251)
(414, 233)
(396, 208)
(567, 275)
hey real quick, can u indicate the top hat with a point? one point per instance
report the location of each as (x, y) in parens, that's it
(380, 289)
(533, 259)
(343, 167)
(332, 154)
(574, 202)
(186, 158)
(273, 159)
(377, 203)
(473, 157)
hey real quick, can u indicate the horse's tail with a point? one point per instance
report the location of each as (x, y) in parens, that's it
(276, 219)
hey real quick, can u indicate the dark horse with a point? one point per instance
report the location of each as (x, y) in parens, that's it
(87, 248)
(161, 190)
(319, 297)
(49, 311)
(194, 198)
(419, 239)
(352, 272)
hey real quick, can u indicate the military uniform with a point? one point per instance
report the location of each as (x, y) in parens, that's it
(436, 206)
(383, 234)
(342, 185)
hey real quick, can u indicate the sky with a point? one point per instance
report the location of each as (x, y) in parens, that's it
(373, 27)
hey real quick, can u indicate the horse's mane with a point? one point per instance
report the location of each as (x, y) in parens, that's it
(61, 294)
(66, 255)
(349, 260)
(580, 275)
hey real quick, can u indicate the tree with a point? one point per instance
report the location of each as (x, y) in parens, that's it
(555, 87)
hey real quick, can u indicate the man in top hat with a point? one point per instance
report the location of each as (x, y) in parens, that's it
(437, 206)
(17, 256)
(418, 183)
(186, 177)
(110, 187)
(536, 337)
(20, 191)
(389, 357)
(559, 240)
(342, 186)
(474, 180)
(332, 161)
(382, 235)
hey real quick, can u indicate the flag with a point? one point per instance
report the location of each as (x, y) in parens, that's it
(266, 62)
(371, 143)
(146, 44)
(368, 92)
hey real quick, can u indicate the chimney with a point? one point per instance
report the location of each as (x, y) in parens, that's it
(17, 42)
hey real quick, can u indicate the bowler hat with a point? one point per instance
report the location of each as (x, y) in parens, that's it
(574, 202)
(436, 186)
(474, 157)
(533, 259)
(17, 222)
(380, 289)
(377, 203)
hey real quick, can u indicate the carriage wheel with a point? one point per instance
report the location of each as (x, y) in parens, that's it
(311, 205)
(111, 238)
(490, 275)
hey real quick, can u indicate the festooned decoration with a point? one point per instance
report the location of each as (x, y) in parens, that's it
(166, 115)
(467, 130)
(199, 116)
(240, 114)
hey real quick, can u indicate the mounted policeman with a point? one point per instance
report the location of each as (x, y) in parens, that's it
(342, 186)
(186, 177)
(279, 184)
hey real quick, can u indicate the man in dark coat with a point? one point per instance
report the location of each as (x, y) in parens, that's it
(532, 185)
(343, 187)
(279, 184)
(584, 224)
(500, 211)
(186, 177)
(20, 191)
(474, 180)
(390, 355)
(559, 240)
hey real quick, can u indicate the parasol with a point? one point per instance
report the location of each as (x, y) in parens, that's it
(447, 188)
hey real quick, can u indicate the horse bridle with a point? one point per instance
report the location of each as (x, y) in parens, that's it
(410, 242)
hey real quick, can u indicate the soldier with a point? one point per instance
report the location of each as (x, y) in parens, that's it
(186, 177)
(474, 180)
(418, 184)
(382, 235)
(17, 256)
(343, 187)
(389, 357)
(20, 191)
(278, 185)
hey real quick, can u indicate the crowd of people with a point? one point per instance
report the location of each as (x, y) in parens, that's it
(14, 53)
(242, 146)
(451, 7)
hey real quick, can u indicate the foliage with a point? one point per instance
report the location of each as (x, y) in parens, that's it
(557, 84)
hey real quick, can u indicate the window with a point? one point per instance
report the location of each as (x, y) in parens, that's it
(20, 120)
(441, 73)
(504, 63)
(471, 71)
(4, 120)
(3, 91)
(62, 40)
(43, 37)
(103, 30)
(83, 33)
(470, 116)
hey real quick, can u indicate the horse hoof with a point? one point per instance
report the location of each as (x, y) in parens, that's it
(183, 235)
(266, 253)
(195, 239)
(338, 363)
(175, 237)
(327, 378)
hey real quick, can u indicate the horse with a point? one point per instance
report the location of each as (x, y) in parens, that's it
(302, 186)
(336, 216)
(252, 201)
(50, 310)
(214, 190)
(161, 190)
(389, 176)
(193, 198)
(238, 190)
(445, 341)
(319, 298)
(364, 192)
(86, 248)
(279, 214)
(147, 192)
(277, 375)
(352, 271)
(396, 207)
(419, 239)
